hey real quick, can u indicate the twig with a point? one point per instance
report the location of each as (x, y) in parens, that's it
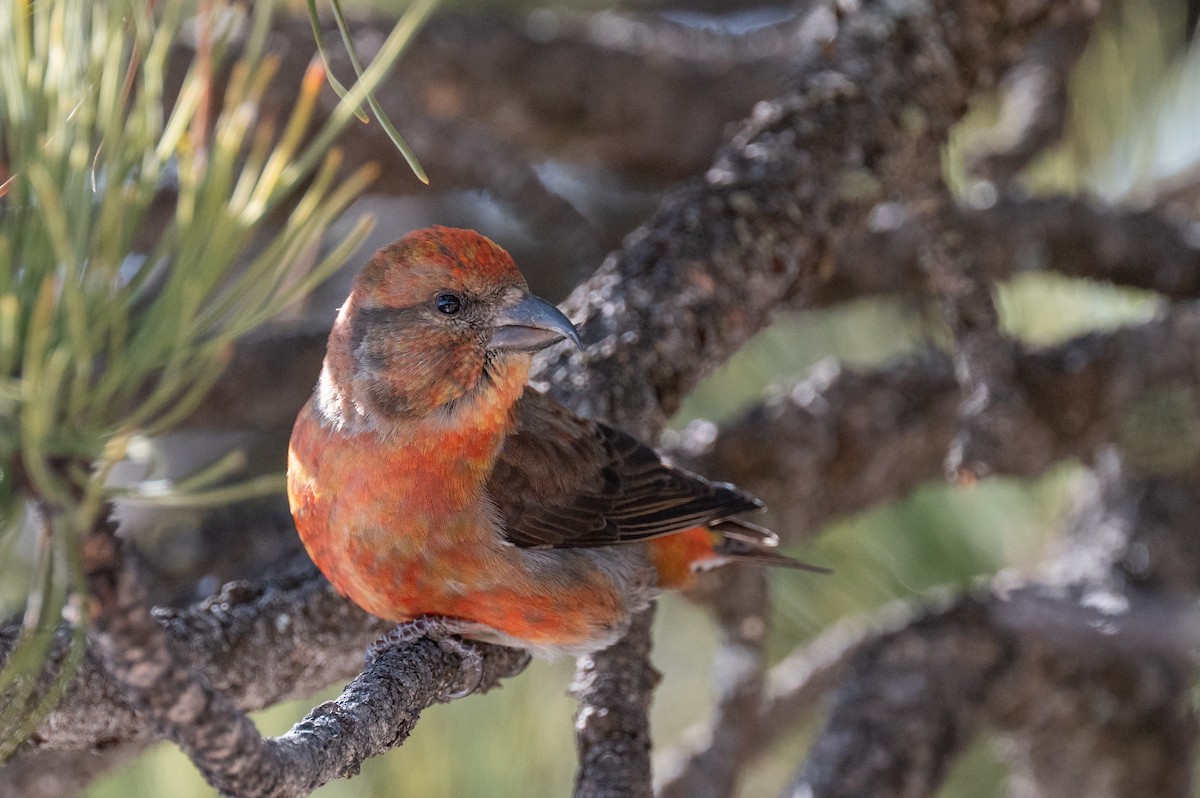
(993, 408)
(794, 694)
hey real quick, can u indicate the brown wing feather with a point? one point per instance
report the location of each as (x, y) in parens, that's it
(564, 481)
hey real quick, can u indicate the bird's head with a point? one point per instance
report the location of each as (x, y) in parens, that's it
(438, 316)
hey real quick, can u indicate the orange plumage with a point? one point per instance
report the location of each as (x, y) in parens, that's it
(427, 480)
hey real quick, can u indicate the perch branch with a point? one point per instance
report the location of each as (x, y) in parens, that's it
(614, 688)
(375, 712)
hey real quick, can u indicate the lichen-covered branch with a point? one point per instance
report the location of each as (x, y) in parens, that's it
(137, 655)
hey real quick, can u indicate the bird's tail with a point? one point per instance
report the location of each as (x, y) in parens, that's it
(742, 541)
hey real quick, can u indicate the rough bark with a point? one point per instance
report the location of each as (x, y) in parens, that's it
(614, 688)
(165, 689)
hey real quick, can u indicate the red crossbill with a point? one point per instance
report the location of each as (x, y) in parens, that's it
(429, 482)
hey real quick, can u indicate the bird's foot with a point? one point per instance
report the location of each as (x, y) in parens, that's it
(447, 633)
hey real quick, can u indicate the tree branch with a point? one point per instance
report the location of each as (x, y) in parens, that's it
(915, 696)
(846, 440)
(1033, 104)
(1069, 236)
(375, 712)
(909, 703)
(614, 688)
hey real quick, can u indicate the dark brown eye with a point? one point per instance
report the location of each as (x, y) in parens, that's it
(448, 304)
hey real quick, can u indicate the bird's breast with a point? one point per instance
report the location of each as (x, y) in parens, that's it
(383, 516)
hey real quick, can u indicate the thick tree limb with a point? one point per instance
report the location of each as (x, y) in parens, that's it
(136, 653)
(315, 638)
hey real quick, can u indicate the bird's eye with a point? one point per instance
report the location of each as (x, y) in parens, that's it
(448, 304)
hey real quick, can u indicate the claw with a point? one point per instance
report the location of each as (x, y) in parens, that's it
(446, 633)
(526, 658)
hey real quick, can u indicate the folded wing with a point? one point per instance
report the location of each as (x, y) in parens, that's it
(565, 481)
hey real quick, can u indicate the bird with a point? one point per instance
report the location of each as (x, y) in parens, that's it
(433, 487)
